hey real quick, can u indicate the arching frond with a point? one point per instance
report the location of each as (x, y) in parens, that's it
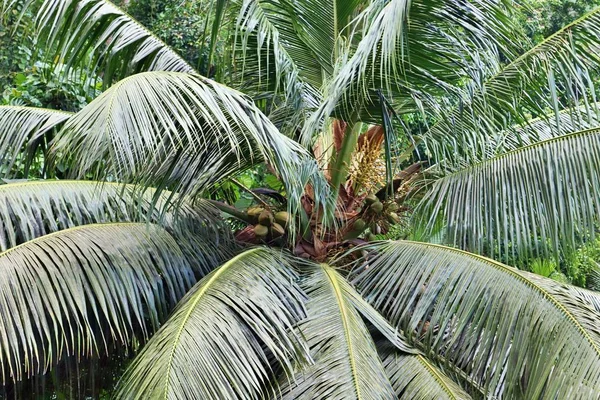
(22, 127)
(76, 291)
(181, 131)
(537, 130)
(227, 335)
(489, 325)
(408, 61)
(523, 202)
(555, 74)
(413, 377)
(97, 33)
(273, 60)
(32, 209)
(346, 362)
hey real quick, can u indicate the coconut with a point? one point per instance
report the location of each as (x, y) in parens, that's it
(370, 237)
(265, 218)
(377, 207)
(261, 231)
(277, 230)
(359, 225)
(282, 218)
(370, 199)
(393, 218)
(254, 212)
(392, 207)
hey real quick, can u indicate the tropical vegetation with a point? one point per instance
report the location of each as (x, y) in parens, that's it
(438, 123)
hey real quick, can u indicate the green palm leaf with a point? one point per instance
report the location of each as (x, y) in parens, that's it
(495, 328)
(408, 61)
(227, 335)
(554, 74)
(539, 129)
(524, 201)
(273, 60)
(413, 377)
(32, 209)
(346, 362)
(23, 127)
(98, 33)
(76, 291)
(182, 131)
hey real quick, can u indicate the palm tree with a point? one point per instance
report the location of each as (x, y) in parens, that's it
(130, 250)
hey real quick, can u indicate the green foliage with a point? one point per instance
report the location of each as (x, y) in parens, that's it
(37, 84)
(269, 322)
(180, 24)
(14, 45)
(541, 18)
(584, 264)
(47, 86)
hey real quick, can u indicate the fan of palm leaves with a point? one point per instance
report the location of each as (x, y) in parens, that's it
(184, 132)
(405, 60)
(227, 336)
(346, 362)
(31, 209)
(100, 34)
(497, 330)
(528, 202)
(81, 289)
(555, 74)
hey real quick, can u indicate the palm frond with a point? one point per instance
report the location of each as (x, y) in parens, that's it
(184, 132)
(414, 377)
(22, 127)
(32, 209)
(408, 61)
(522, 203)
(76, 291)
(555, 74)
(29, 210)
(273, 60)
(226, 337)
(346, 362)
(536, 130)
(97, 33)
(270, 29)
(490, 326)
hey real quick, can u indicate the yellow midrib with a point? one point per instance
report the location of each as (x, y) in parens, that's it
(197, 298)
(344, 317)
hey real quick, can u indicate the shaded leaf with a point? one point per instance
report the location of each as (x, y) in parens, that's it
(20, 128)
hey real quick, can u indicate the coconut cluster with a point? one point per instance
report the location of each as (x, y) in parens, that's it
(268, 225)
(376, 216)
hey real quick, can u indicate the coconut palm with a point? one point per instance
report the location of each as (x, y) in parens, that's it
(300, 302)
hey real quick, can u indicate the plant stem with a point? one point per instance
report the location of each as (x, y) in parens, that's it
(234, 212)
(243, 187)
(344, 156)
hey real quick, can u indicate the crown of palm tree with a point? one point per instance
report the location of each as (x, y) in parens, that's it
(129, 250)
